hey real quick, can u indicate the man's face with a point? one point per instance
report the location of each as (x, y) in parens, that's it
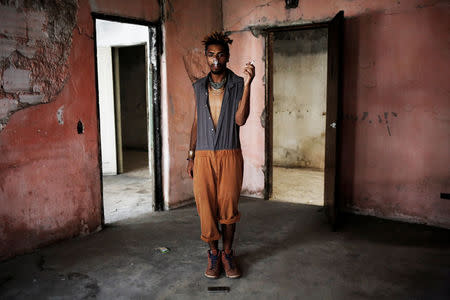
(217, 58)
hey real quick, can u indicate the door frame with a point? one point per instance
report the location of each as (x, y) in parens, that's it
(268, 110)
(153, 72)
(268, 147)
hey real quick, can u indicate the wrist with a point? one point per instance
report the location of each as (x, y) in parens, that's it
(191, 155)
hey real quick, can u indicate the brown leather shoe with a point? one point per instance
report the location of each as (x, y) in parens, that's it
(229, 264)
(214, 265)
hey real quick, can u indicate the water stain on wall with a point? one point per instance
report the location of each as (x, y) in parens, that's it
(300, 81)
(377, 118)
(195, 64)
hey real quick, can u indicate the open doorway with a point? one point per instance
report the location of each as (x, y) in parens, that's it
(126, 96)
(129, 69)
(303, 114)
(304, 76)
(299, 114)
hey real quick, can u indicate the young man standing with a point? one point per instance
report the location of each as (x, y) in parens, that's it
(215, 157)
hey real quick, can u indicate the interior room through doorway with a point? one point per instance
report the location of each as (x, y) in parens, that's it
(299, 114)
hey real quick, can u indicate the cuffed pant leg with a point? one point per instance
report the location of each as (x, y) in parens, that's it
(230, 175)
(205, 196)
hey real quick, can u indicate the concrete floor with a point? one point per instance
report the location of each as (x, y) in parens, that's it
(286, 251)
(128, 194)
(298, 185)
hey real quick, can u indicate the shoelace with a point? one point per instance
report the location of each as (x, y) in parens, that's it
(214, 260)
(229, 258)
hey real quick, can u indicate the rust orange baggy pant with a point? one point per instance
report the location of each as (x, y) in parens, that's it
(217, 186)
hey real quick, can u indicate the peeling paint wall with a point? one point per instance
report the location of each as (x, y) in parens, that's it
(49, 162)
(49, 172)
(300, 97)
(35, 41)
(396, 114)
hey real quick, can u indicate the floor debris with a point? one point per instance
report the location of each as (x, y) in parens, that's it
(218, 289)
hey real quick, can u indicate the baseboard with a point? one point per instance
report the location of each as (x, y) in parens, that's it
(182, 203)
(398, 217)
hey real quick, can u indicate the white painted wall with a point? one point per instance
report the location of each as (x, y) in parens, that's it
(106, 106)
(114, 34)
(120, 34)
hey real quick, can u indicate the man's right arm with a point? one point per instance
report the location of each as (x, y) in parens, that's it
(192, 144)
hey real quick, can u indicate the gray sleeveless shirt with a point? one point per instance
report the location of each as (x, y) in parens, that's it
(226, 135)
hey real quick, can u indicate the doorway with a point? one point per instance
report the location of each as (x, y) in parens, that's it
(303, 113)
(128, 115)
(299, 113)
(129, 69)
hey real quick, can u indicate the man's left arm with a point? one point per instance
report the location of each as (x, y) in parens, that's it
(244, 105)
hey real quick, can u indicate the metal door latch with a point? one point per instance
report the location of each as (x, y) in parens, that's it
(333, 124)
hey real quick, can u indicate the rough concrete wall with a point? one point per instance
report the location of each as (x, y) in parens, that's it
(185, 25)
(396, 126)
(49, 170)
(299, 107)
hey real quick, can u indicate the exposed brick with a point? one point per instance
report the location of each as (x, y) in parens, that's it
(31, 99)
(12, 22)
(16, 80)
(35, 23)
(35, 43)
(26, 50)
(7, 46)
(7, 106)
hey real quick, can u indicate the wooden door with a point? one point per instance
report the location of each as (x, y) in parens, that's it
(333, 120)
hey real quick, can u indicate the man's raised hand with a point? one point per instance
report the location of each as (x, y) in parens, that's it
(249, 72)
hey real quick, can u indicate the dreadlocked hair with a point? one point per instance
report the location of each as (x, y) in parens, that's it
(217, 38)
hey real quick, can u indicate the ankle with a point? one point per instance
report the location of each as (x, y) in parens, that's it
(228, 251)
(214, 252)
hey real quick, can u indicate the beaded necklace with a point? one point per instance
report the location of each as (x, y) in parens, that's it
(216, 92)
(217, 85)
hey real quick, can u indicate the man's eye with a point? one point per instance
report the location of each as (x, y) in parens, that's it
(218, 55)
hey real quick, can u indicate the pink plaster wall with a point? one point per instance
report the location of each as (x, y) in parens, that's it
(49, 174)
(246, 48)
(187, 22)
(396, 62)
(140, 9)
